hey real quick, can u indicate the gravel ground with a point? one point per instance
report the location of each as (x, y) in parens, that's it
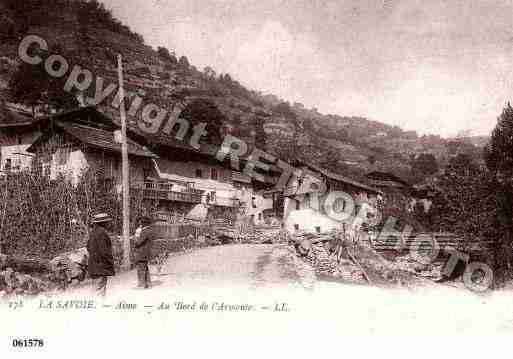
(247, 267)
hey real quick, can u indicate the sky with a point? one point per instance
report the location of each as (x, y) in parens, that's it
(437, 67)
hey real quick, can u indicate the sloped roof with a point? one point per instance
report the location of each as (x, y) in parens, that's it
(99, 138)
(386, 176)
(93, 117)
(206, 149)
(340, 178)
(12, 118)
(103, 139)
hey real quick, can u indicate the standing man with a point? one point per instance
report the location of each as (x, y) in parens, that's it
(143, 244)
(101, 259)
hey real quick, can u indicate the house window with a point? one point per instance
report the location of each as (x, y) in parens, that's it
(211, 197)
(199, 174)
(213, 174)
(8, 164)
(298, 205)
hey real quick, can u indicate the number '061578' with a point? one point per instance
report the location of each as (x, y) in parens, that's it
(28, 343)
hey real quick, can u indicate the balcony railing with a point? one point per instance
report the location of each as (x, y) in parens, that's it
(298, 190)
(168, 192)
(223, 201)
(182, 192)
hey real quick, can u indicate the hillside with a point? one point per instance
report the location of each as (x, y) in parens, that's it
(87, 33)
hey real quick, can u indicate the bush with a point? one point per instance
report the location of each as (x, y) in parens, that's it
(41, 217)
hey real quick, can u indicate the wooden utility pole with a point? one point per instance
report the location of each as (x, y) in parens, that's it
(125, 169)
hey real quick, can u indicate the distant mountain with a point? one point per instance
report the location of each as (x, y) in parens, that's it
(87, 33)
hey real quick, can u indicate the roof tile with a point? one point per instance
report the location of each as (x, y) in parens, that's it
(102, 139)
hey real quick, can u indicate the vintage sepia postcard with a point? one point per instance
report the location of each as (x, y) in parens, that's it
(255, 178)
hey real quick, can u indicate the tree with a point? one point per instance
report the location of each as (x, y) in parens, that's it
(465, 204)
(425, 164)
(499, 160)
(260, 136)
(166, 55)
(205, 111)
(209, 72)
(184, 62)
(226, 78)
(452, 146)
(341, 134)
(462, 163)
(31, 85)
(499, 151)
(330, 159)
(284, 109)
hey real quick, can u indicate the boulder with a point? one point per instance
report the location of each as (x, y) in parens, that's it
(304, 247)
(72, 264)
(30, 285)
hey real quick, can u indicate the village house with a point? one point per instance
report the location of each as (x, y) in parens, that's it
(386, 181)
(219, 191)
(18, 130)
(305, 207)
(399, 193)
(170, 175)
(73, 142)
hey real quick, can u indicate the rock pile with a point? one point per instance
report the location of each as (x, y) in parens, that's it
(257, 234)
(349, 272)
(320, 259)
(336, 259)
(70, 266)
(407, 264)
(29, 276)
(14, 283)
(326, 264)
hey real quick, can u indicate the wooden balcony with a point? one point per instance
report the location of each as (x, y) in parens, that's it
(296, 190)
(168, 192)
(224, 202)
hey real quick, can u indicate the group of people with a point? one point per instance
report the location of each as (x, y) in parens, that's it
(101, 257)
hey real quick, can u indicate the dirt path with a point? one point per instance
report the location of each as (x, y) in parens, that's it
(241, 267)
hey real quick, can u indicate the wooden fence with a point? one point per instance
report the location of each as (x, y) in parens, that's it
(178, 230)
(426, 241)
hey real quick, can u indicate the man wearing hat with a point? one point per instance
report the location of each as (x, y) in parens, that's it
(101, 259)
(143, 244)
